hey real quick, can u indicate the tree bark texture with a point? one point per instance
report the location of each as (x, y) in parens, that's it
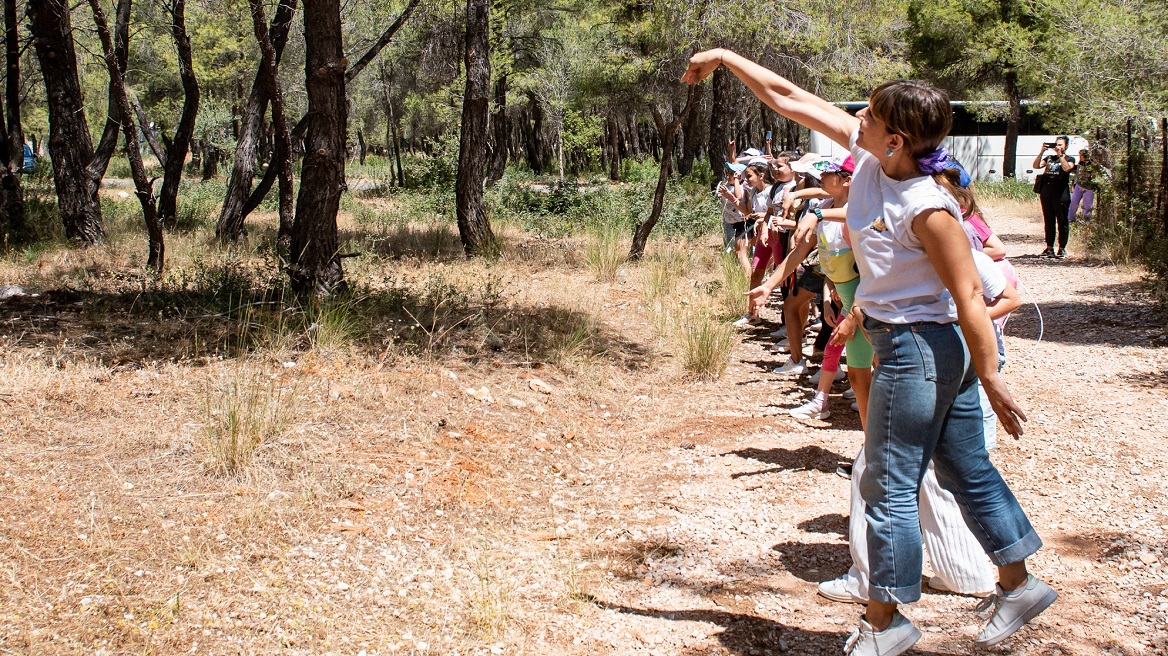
(261, 190)
(691, 131)
(474, 226)
(667, 133)
(177, 148)
(231, 215)
(12, 137)
(533, 129)
(722, 102)
(501, 133)
(143, 188)
(1013, 121)
(283, 141)
(70, 145)
(315, 267)
(614, 150)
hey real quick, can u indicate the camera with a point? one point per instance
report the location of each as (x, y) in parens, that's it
(1048, 144)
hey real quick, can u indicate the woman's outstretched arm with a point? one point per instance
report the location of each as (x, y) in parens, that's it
(783, 96)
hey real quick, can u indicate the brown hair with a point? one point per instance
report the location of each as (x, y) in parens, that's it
(922, 116)
(761, 170)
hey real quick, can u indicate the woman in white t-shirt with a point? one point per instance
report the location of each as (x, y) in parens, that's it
(917, 282)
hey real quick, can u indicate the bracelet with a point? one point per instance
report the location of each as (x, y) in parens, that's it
(818, 214)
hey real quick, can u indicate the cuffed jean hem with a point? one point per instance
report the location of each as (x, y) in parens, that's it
(905, 595)
(1017, 552)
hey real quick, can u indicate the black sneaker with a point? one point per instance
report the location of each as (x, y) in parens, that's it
(1049, 252)
(1061, 254)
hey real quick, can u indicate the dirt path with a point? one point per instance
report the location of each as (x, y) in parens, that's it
(754, 515)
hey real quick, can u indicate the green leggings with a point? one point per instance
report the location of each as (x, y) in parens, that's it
(858, 348)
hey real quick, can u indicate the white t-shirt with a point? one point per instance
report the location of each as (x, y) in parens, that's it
(780, 189)
(730, 212)
(759, 200)
(993, 281)
(898, 283)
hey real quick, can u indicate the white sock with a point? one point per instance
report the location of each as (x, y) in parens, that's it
(820, 398)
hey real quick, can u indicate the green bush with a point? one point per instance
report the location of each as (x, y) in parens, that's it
(634, 170)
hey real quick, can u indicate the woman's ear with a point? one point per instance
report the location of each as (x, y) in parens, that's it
(894, 142)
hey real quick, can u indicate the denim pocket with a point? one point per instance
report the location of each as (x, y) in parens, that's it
(936, 348)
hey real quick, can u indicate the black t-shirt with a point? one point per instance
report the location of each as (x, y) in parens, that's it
(1054, 175)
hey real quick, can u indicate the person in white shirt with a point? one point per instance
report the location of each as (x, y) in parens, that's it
(919, 301)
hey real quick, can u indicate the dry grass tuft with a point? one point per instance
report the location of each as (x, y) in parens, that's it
(605, 250)
(241, 410)
(705, 342)
(732, 298)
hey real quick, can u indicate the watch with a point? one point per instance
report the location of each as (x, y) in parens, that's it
(818, 214)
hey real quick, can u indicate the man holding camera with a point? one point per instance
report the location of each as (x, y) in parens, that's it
(1054, 193)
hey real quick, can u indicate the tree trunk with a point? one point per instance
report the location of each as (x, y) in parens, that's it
(12, 139)
(614, 155)
(315, 267)
(230, 224)
(261, 190)
(211, 156)
(534, 134)
(283, 141)
(70, 145)
(142, 186)
(176, 150)
(361, 147)
(1162, 195)
(393, 140)
(666, 133)
(501, 133)
(1013, 121)
(474, 226)
(691, 129)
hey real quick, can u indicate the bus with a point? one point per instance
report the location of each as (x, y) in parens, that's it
(978, 143)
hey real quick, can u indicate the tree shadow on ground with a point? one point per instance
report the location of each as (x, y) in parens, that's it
(814, 561)
(1127, 315)
(811, 457)
(826, 524)
(232, 314)
(747, 633)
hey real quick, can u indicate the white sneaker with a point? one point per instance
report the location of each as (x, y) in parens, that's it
(779, 334)
(840, 374)
(855, 406)
(813, 409)
(837, 590)
(792, 368)
(849, 393)
(746, 320)
(1013, 610)
(938, 583)
(782, 346)
(896, 639)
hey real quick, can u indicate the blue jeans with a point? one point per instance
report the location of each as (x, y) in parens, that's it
(924, 406)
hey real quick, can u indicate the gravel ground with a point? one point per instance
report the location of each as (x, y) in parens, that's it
(754, 515)
(458, 506)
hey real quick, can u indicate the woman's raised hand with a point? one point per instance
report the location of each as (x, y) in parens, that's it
(702, 65)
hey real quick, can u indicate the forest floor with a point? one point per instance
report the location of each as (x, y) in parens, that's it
(480, 497)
